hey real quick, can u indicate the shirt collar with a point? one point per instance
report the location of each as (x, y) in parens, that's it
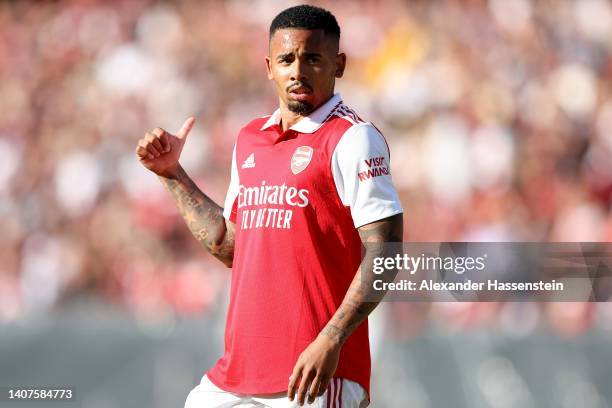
(308, 124)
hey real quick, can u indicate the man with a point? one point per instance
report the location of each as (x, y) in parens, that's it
(309, 184)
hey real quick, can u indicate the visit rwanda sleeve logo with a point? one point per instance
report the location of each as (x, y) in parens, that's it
(376, 167)
(301, 159)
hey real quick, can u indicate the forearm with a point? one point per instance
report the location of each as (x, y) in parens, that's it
(355, 307)
(361, 298)
(203, 216)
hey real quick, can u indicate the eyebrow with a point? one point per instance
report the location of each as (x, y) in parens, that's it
(283, 56)
(306, 54)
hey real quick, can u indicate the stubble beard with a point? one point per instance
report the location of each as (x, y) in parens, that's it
(301, 108)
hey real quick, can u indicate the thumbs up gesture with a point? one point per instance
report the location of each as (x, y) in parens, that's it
(159, 151)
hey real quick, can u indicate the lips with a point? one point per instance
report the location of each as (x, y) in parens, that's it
(300, 90)
(300, 93)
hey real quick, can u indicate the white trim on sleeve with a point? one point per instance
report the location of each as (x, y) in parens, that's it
(234, 188)
(361, 172)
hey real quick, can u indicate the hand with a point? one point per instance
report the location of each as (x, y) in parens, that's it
(159, 151)
(314, 369)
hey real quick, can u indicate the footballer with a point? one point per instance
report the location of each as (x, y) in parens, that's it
(309, 184)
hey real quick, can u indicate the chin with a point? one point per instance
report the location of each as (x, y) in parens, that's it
(301, 108)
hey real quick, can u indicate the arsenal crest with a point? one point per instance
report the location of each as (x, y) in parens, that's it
(300, 159)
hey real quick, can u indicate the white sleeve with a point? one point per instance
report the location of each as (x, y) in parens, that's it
(360, 167)
(232, 192)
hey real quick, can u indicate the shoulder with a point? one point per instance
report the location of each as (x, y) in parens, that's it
(362, 138)
(353, 126)
(352, 132)
(348, 115)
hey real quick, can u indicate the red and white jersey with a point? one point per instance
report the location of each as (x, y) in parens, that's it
(296, 198)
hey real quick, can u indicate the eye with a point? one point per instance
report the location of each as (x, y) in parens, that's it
(288, 59)
(312, 59)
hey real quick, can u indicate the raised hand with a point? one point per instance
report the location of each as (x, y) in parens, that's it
(159, 150)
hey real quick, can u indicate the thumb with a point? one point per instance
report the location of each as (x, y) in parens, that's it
(186, 128)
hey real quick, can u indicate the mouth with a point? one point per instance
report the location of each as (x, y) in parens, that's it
(300, 93)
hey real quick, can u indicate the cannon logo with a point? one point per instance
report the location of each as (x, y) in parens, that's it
(300, 159)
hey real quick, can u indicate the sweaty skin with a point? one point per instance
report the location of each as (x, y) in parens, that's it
(306, 60)
(287, 41)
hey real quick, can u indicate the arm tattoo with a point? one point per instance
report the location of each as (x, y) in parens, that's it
(354, 308)
(203, 217)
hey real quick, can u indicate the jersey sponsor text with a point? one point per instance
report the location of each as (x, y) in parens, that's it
(265, 195)
(376, 168)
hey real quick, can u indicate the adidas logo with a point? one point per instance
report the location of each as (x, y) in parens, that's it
(249, 163)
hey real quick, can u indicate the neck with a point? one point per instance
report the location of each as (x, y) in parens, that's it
(288, 118)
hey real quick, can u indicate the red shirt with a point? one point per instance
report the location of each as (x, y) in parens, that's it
(296, 198)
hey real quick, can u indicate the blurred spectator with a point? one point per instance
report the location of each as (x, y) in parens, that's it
(498, 115)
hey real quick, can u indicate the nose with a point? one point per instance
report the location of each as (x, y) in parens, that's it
(297, 70)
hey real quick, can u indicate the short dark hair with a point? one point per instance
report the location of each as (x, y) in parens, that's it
(306, 17)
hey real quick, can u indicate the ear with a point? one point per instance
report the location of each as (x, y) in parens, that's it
(269, 68)
(340, 64)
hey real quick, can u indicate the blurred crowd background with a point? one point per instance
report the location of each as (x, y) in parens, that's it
(498, 115)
